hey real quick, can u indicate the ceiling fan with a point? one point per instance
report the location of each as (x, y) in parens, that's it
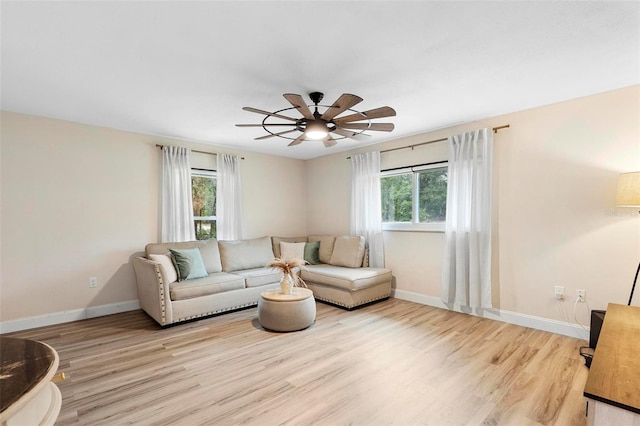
(323, 125)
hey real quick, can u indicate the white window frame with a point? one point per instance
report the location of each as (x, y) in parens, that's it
(207, 174)
(414, 225)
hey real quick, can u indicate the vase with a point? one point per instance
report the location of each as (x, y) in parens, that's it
(286, 284)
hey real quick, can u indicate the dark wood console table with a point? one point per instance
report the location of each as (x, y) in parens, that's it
(27, 394)
(613, 385)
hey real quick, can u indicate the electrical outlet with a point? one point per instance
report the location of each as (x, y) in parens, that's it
(558, 292)
(581, 295)
(93, 282)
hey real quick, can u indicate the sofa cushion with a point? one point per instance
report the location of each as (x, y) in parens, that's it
(211, 256)
(312, 253)
(163, 248)
(291, 250)
(167, 269)
(348, 251)
(275, 241)
(245, 254)
(208, 249)
(188, 263)
(345, 278)
(259, 276)
(211, 284)
(326, 246)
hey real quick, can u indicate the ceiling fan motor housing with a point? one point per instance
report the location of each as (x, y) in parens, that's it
(316, 97)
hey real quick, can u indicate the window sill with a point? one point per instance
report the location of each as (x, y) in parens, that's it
(414, 227)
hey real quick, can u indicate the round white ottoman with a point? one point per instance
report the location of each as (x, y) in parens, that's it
(287, 312)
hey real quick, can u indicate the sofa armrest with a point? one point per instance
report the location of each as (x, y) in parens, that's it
(153, 290)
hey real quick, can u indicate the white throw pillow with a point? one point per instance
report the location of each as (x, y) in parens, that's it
(166, 267)
(291, 250)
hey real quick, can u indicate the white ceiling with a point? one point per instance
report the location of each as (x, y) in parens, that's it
(186, 69)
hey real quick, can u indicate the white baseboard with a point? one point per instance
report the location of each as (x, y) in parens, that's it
(67, 316)
(539, 323)
(530, 321)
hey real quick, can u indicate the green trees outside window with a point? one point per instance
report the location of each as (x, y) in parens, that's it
(396, 192)
(203, 190)
(432, 195)
(428, 186)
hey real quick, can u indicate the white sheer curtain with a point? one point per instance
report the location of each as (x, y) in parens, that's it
(228, 198)
(177, 209)
(366, 210)
(467, 261)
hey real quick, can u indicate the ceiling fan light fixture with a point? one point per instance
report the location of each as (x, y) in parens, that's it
(316, 130)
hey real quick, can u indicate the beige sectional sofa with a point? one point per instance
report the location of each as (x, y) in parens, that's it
(182, 281)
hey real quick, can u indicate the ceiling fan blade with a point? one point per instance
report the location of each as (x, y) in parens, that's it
(360, 137)
(298, 140)
(381, 127)
(266, 124)
(329, 142)
(298, 102)
(275, 134)
(367, 115)
(342, 104)
(272, 114)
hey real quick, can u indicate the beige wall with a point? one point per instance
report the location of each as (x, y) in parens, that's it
(555, 221)
(78, 201)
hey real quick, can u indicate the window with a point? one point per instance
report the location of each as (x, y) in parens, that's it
(414, 199)
(203, 190)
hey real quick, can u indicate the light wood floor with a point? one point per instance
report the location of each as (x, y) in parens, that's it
(394, 362)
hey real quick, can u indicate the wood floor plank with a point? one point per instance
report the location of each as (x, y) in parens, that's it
(390, 363)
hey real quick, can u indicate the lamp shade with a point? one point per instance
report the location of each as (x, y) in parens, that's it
(628, 194)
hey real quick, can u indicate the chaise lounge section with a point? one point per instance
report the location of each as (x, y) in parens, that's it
(340, 275)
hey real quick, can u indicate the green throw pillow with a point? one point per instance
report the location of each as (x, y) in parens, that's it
(188, 263)
(312, 252)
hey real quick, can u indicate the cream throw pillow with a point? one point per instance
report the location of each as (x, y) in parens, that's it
(166, 267)
(275, 241)
(348, 251)
(291, 250)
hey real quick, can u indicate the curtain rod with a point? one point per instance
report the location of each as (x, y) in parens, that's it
(415, 165)
(199, 152)
(495, 130)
